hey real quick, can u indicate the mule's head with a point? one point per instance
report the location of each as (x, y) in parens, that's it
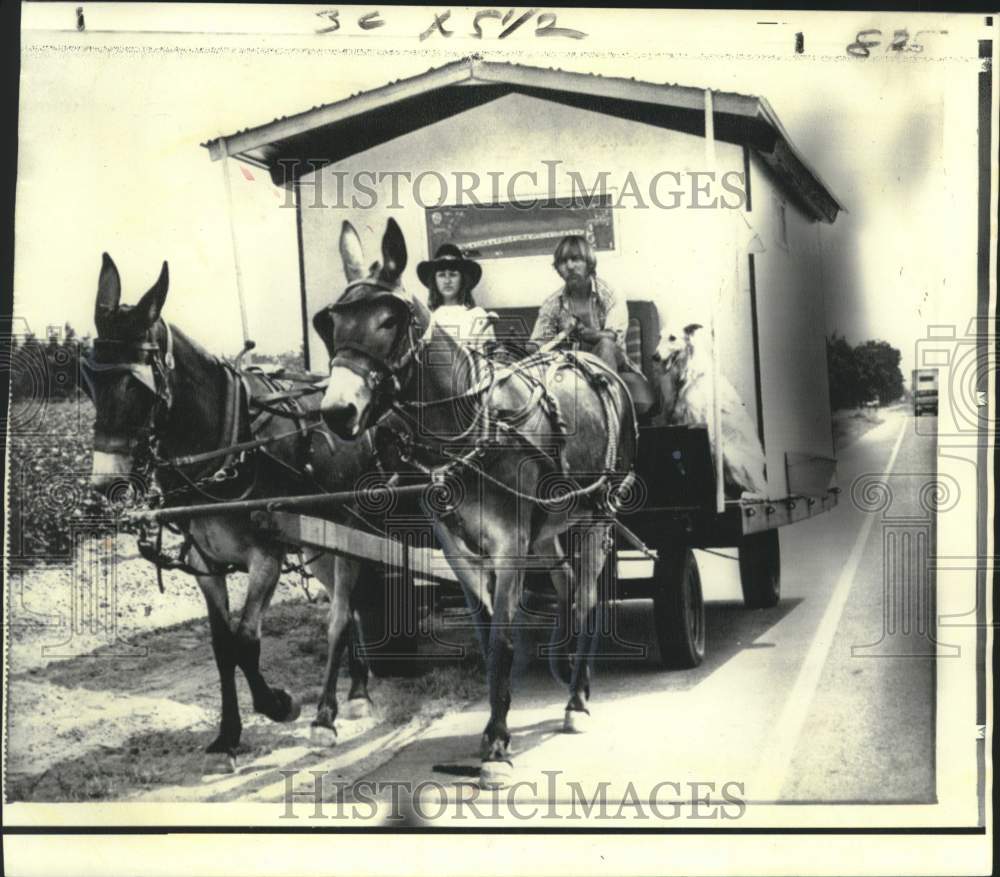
(369, 333)
(126, 375)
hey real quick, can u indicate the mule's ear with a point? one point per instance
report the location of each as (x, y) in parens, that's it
(109, 287)
(351, 253)
(393, 253)
(147, 311)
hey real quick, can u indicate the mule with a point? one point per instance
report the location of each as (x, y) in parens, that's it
(523, 451)
(161, 397)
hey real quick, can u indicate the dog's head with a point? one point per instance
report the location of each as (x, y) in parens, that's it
(676, 360)
(676, 350)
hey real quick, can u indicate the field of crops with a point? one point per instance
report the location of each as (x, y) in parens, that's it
(50, 450)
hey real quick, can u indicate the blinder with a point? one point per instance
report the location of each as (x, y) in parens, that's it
(143, 361)
(92, 368)
(384, 377)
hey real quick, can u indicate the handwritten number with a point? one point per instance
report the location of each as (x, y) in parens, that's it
(861, 47)
(546, 24)
(899, 40)
(332, 15)
(919, 47)
(477, 32)
(546, 27)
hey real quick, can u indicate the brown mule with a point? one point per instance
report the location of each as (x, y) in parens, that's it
(524, 452)
(160, 396)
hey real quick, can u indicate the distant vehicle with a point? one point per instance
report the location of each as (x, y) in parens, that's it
(925, 391)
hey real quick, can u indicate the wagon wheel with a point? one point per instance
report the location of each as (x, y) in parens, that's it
(760, 570)
(390, 628)
(678, 609)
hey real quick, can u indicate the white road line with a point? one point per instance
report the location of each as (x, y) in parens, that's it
(773, 767)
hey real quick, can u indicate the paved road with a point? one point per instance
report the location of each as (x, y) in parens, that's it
(809, 701)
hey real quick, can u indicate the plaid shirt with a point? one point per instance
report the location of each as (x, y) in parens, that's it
(556, 315)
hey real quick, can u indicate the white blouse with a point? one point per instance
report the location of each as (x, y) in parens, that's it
(470, 326)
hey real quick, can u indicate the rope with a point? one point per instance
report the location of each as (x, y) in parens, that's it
(600, 383)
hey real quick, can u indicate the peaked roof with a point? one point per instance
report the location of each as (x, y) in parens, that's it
(331, 132)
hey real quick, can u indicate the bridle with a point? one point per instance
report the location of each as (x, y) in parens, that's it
(386, 378)
(146, 363)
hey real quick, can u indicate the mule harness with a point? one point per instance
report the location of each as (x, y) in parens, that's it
(145, 361)
(387, 378)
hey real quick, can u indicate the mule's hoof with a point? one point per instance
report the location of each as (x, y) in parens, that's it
(576, 722)
(223, 746)
(280, 707)
(290, 708)
(357, 708)
(495, 774)
(322, 735)
(217, 763)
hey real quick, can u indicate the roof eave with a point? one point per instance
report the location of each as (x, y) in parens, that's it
(317, 117)
(772, 142)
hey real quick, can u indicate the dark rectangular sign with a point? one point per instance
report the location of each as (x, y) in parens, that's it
(499, 231)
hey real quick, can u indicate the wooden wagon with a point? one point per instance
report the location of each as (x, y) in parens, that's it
(753, 273)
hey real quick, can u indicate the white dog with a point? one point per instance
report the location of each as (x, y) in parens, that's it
(685, 364)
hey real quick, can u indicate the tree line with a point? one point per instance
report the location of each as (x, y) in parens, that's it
(863, 373)
(50, 368)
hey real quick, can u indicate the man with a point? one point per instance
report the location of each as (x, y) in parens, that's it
(586, 308)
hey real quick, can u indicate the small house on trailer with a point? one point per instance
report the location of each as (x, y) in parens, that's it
(541, 143)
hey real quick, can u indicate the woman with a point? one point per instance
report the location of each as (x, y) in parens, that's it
(450, 279)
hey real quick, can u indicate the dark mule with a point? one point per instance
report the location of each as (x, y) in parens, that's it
(528, 450)
(160, 396)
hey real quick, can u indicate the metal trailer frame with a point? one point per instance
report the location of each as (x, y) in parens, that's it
(677, 515)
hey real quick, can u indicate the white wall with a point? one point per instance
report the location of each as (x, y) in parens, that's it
(791, 284)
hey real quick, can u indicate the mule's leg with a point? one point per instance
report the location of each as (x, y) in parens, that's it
(338, 575)
(224, 647)
(264, 569)
(478, 582)
(589, 562)
(359, 703)
(561, 575)
(496, 768)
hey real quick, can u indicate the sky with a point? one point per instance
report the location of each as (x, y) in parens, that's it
(111, 121)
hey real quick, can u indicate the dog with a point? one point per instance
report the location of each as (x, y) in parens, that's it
(685, 385)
